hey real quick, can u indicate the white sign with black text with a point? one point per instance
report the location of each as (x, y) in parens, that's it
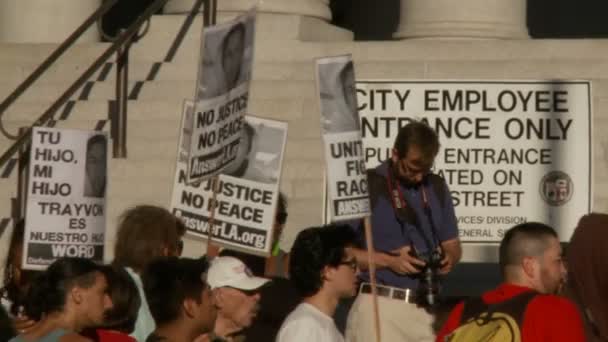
(346, 171)
(512, 151)
(247, 190)
(66, 204)
(221, 96)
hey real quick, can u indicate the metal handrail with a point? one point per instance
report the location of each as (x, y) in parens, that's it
(124, 38)
(12, 97)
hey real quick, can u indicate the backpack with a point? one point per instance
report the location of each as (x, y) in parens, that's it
(499, 322)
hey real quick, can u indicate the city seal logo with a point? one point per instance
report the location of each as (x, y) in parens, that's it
(556, 188)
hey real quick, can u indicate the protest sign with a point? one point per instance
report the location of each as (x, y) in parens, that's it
(247, 193)
(222, 95)
(346, 176)
(66, 204)
(512, 151)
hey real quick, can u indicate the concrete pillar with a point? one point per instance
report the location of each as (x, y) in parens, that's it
(45, 21)
(499, 19)
(306, 20)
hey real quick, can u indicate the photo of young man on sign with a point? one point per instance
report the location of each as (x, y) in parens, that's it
(227, 55)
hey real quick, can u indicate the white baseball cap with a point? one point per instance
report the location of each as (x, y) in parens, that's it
(232, 272)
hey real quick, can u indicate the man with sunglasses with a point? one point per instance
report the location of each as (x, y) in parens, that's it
(236, 293)
(323, 270)
(414, 228)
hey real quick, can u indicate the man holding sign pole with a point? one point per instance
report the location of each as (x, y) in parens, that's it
(414, 225)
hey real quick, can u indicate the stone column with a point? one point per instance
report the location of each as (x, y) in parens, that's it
(307, 20)
(45, 21)
(498, 19)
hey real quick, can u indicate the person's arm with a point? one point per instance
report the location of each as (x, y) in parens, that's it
(399, 261)
(448, 235)
(452, 250)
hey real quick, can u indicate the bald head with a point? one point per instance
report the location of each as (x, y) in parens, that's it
(529, 239)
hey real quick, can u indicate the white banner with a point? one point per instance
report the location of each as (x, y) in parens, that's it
(346, 176)
(66, 204)
(511, 151)
(247, 192)
(222, 94)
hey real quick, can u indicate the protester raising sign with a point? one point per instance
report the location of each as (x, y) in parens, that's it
(347, 179)
(247, 194)
(65, 215)
(222, 93)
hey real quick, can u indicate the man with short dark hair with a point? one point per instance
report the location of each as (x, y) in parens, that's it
(324, 271)
(415, 235)
(179, 299)
(530, 258)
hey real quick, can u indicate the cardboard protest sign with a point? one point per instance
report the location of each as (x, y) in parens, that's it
(346, 175)
(247, 193)
(66, 205)
(222, 95)
(512, 151)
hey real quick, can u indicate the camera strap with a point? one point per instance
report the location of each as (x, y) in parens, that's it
(400, 208)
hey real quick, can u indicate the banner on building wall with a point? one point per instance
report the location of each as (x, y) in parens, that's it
(511, 152)
(346, 177)
(222, 93)
(247, 191)
(66, 204)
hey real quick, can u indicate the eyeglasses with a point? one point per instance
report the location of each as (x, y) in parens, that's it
(413, 171)
(351, 263)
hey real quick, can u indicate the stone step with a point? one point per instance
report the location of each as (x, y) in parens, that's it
(270, 26)
(304, 71)
(35, 53)
(171, 108)
(155, 90)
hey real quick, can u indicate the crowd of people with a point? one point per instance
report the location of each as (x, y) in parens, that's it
(321, 290)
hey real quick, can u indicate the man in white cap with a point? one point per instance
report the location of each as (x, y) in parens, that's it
(237, 293)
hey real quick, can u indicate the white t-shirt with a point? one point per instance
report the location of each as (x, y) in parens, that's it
(308, 324)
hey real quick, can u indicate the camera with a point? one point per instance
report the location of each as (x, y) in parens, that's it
(430, 284)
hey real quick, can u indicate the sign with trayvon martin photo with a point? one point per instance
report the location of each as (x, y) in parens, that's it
(66, 203)
(511, 151)
(222, 94)
(346, 177)
(247, 194)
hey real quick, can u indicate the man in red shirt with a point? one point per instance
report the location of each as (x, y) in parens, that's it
(530, 258)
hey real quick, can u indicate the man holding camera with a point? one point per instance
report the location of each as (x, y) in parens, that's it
(415, 236)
